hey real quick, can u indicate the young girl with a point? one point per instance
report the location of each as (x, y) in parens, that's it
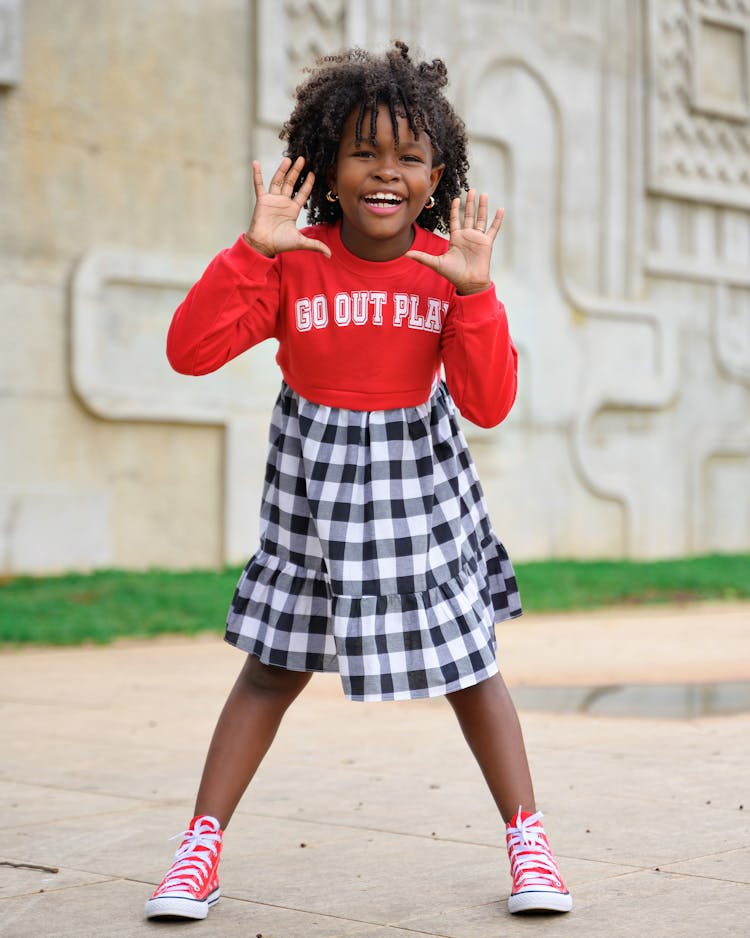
(376, 558)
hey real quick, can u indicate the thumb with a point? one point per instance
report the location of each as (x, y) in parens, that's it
(311, 244)
(429, 260)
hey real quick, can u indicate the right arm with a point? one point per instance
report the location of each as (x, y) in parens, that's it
(232, 307)
(235, 303)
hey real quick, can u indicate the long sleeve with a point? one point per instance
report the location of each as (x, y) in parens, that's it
(233, 306)
(352, 333)
(481, 362)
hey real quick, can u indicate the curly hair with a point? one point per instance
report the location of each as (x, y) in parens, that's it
(359, 80)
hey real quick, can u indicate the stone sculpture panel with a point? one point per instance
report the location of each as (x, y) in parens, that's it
(615, 133)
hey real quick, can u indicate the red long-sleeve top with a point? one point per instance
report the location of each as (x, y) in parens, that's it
(357, 334)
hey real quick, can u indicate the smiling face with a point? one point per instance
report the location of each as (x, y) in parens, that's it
(382, 188)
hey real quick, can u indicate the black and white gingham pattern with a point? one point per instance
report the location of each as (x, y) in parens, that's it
(377, 558)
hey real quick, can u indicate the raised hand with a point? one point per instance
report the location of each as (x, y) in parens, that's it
(273, 227)
(466, 263)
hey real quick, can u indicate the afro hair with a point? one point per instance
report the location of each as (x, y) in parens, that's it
(357, 80)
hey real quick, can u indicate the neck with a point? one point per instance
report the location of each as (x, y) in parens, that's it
(370, 250)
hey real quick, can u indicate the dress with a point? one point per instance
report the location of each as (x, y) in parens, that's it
(376, 557)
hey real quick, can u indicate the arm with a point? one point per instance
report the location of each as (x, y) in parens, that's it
(232, 307)
(480, 359)
(235, 303)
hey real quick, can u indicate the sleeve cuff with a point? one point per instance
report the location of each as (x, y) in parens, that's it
(476, 306)
(247, 261)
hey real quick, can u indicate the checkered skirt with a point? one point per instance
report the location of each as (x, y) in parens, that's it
(377, 558)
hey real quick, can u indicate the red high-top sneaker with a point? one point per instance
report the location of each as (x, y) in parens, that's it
(192, 883)
(537, 882)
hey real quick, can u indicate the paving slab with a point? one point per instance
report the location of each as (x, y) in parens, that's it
(372, 819)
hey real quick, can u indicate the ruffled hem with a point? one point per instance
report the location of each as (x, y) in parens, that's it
(281, 613)
(443, 638)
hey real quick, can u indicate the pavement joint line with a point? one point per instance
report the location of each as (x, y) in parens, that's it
(714, 879)
(72, 790)
(468, 843)
(276, 905)
(103, 881)
(107, 878)
(666, 865)
(709, 856)
(717, 853)
(357, 828)
(65, 888)
(661, 871)
(714, 853)
(60, 820)
(630, 867)
(338, 918)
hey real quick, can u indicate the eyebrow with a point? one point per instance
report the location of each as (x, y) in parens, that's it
(409, 144)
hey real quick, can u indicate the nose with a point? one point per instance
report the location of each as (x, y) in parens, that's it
(387, 168)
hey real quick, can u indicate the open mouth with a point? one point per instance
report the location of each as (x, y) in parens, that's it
(383, 199)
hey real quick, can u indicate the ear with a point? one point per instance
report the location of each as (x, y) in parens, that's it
(435, 175)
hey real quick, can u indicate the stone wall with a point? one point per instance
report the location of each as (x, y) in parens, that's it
(615, 133)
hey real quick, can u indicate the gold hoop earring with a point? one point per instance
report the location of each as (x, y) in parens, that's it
(331, 197)
(430, 203)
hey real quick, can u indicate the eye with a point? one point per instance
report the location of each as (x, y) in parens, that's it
(361, 154)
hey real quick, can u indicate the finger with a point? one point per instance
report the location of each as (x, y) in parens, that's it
(290, 179)
(277, 179)
(454, 221)
(305, 189)
(429, 260)
(496, 223)
(469, 210)
(310, 244)
(260, 189)
(481, 221)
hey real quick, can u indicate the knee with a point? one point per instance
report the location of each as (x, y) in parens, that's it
(268, 681)
(481, 696)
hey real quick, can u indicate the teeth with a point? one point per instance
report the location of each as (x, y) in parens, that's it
(383, 198)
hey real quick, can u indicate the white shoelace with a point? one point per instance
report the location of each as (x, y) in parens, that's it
(190, 869)
(531, 860)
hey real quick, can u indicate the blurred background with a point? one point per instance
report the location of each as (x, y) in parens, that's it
(616, 133)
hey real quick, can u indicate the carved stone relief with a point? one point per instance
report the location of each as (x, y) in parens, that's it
(302, 30)
(121, 307)
(624, 262)
(699, 134)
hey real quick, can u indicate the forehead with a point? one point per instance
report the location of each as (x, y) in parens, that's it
(383, 127)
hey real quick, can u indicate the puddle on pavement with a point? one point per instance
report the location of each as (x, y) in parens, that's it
(675, 701)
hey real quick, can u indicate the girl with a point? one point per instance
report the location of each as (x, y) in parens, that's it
(377, 558)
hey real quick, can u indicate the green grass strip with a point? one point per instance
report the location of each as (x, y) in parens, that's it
(563, 585)
(98, 607)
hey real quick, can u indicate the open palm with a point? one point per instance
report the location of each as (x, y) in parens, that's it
(273, 228)
(466, 263)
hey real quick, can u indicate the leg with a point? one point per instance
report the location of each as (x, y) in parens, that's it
(490, 725)
(244, 732)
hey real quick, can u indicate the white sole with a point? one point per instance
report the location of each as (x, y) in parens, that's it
(180, 906)
(540, 901)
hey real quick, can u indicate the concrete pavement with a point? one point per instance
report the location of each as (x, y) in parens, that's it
(371, 820)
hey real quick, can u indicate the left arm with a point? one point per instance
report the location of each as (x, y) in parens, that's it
(480, 360)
